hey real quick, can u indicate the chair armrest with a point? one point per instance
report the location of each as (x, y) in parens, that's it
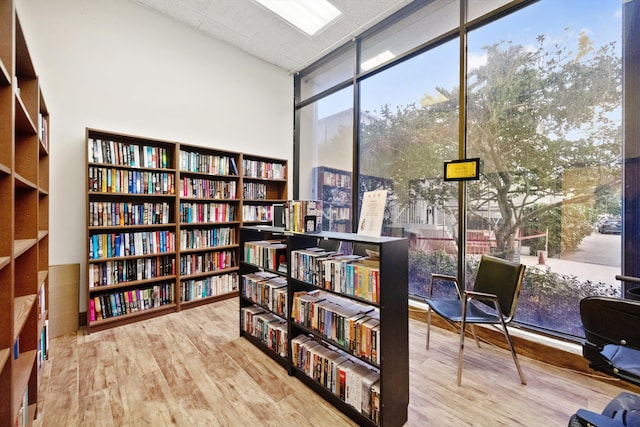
(447, 279)
(598, 420)
(485, 296)
(481, 295)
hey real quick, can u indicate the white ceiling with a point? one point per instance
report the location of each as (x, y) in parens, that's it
(254, 29)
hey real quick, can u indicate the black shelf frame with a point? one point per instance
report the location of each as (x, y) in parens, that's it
(393, 306)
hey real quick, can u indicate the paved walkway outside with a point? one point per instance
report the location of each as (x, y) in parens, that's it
(582, 270)
(597, 259)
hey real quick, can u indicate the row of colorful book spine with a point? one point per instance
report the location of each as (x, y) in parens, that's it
(207, 163)
(270, 329)
(207, 212)
(334, 179)
(265, 170)
(353, 326)
(206, 262)
(303, 215)
(125, 154)
(254, 190)
(350, 275)
(126, 181)
(266, 289)
(113, 245)
(354, 382)
(191, 290)
(265, 253)
(208, 188)
(128, 270)
(118, 214)
(257, 213)
(118, 303)
(207, 238)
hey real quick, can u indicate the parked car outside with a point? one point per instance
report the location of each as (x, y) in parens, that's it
(610, 226)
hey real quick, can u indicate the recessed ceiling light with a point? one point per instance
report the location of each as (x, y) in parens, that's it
(308, 15)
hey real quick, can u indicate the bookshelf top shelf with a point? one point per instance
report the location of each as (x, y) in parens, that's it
(327, 235)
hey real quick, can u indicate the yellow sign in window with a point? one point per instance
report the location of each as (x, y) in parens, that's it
(459, 170)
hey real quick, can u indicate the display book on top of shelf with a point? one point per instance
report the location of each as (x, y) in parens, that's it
(24, 237)
(209, 220)
(347, 316)
(264, 183)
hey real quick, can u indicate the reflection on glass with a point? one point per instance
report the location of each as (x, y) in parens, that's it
(336, 69)
(544, 116)
(431, 21)
(408, 129)
(326, 157)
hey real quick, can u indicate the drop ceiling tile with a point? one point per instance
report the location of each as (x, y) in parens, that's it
(255, 30)
(188, 11)
(365, 11)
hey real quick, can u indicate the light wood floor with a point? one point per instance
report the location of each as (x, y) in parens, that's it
(192, 369)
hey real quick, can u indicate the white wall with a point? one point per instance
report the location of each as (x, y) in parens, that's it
(121, 67)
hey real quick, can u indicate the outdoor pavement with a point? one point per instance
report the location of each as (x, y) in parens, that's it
(597, 259)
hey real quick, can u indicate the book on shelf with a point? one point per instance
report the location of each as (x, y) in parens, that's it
(219, 284)
(114, 303)
(303, 216)
(265, 253)
(213, 164)
(207, 238)
(208, 188)
(234, 167)
(203, 212)
(126, 154)
(263, 169)
(349, 379)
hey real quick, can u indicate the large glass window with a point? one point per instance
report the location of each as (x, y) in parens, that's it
(408, 128)
(544, 116)
(543, 111)
(326, 157)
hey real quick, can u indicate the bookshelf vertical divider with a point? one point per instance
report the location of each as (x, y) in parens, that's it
(163, 222)
(24, 229)
(382, 307)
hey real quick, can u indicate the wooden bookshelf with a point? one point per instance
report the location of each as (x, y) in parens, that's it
(24, 252)
(209, 216)
(382, 308)
(197, 206)
(132, 226)
(264, 183)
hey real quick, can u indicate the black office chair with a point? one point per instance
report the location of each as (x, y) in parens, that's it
(612, 346)
(612, 336)
(497, 287)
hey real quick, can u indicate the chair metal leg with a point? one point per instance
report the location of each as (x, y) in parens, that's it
(475, 336)
(513, 352)
(428, 325)
(461, 349)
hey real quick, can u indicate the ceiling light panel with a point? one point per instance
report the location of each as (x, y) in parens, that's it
(309, 16)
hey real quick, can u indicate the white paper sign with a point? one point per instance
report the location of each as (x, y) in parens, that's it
(372, 213)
